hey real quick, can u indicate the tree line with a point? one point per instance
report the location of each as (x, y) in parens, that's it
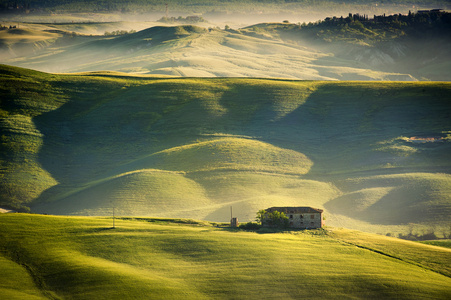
(361, 27)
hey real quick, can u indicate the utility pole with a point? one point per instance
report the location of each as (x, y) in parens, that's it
(166, 10)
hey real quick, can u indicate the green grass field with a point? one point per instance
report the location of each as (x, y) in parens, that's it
(191, 148)
(85, 258)
(187, 123)
(440, 243)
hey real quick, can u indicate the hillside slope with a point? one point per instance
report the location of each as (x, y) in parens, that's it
(187, 51)
(369, 153)
(415, 43)
(85, 258)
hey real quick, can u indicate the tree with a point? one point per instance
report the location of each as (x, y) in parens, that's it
(261, 216)
(272, 219)
(278, 219)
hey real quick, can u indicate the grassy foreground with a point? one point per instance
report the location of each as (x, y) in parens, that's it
(85, 258)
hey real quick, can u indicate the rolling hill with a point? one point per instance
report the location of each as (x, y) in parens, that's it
(374, 155)
(84, 258)
(185, 50)
(416, 43)
(395, 47)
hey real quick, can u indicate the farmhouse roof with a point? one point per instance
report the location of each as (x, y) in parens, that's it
(296, 209)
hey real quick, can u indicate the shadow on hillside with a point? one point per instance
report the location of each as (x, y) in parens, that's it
(339, 126)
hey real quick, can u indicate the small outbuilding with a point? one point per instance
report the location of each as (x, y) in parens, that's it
(300, 217)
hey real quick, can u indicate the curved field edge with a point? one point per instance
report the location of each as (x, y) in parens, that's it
(85, 257)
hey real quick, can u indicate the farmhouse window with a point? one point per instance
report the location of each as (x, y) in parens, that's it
(312, 216)
(312, 223)
(302, 216)
(291, 216)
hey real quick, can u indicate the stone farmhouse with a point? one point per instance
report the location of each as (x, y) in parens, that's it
(301, 217)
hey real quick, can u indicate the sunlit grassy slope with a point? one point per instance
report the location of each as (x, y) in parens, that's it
(84, 258)
(16, 282)
(82, 144)
(21, 42)
(187, 51)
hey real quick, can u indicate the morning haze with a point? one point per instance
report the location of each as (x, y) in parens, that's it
(132, 132)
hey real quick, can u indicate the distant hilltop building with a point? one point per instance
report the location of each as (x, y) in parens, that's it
(437, 10)
(299, 217)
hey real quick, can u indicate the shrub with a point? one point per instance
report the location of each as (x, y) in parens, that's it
(250, 226)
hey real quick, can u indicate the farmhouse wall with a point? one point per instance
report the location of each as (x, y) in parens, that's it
(301, 217)
(305, 221)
